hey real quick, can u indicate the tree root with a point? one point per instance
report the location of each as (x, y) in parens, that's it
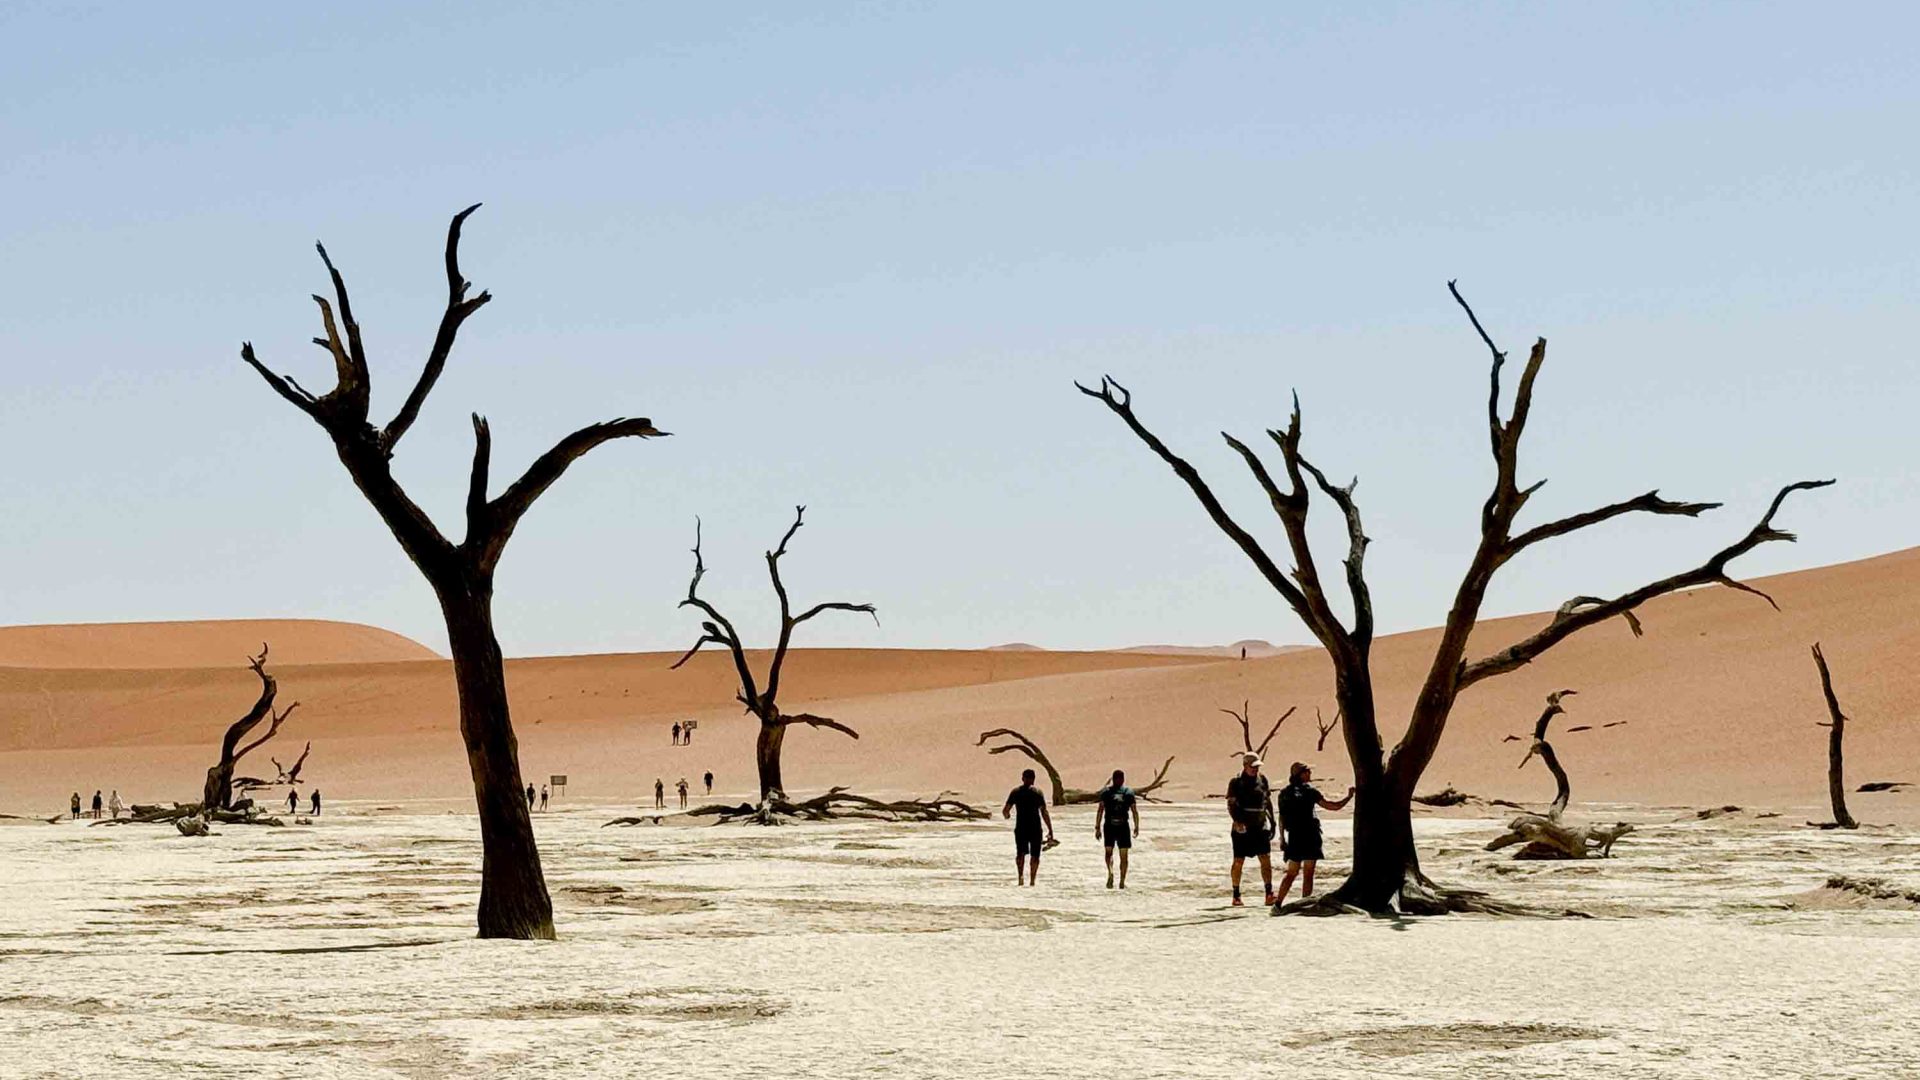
(1419, 896)
(837, 803)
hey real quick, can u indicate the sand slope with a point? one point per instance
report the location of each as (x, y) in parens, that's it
(1720, 701)
(208, 643)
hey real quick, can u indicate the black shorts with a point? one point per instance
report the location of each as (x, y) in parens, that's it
(1251, 843)
(1303, 845)
(1121, 837)
(1026, 843)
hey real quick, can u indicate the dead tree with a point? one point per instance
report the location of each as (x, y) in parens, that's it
(1245, 719)
(1325, 727)
(513, 891)
(764, 703)
(218, 793)
(292, 775)
(1546, 836)
(1063, 795)
(1386, 866)
(1836, 735)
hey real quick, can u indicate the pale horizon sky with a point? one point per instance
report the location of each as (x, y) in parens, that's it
(855, 259)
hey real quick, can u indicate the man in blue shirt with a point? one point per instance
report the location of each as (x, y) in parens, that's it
(1117, 804)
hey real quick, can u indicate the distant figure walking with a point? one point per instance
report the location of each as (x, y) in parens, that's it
(1031, 806)
(1300, 828)
(659, 794)
(1117, 802)
(709, 779)
(543, 798)
(683, 792)
(293, 801)
(97, 804)
(74, 804)
(686, 732)
(676, 733)
(1250, 803)
(316, 802)
(114, 804)
(530, 797)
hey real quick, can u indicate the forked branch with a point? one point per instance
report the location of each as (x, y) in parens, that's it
(1245, 719)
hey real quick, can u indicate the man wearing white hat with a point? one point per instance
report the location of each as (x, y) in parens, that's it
(1250, 803)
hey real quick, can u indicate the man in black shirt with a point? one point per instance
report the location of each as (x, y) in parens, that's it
(1300, 829)
(1117, 802)
(1250, 804)
(1032, 807)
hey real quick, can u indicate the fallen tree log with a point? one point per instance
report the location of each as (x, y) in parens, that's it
(1546, 836)
(836, 803)
(1063, 795)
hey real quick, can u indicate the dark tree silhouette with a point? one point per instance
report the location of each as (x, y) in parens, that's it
(764, 703)
(1386, 867)
(1244, 718)
(1836, 726)
(1325, 727)
(218, 793)
(513, 892)
(1546, 836)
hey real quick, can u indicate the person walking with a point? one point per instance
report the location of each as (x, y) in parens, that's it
(682, 785)
(114, 805)
(659, 794)
(686, 732)
(1117, 802)
(543, 798)
(1250, 804)
(1300, 828)
(293, 801)
(74, 805)
(97, 804)
(709, 781)
(530, 797)
(316, 802)
(676, 733)
(1031, 805)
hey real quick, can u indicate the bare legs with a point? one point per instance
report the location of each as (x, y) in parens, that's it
(1021, 874)
(1266, 874)
(1123, 866)
(1306, 882)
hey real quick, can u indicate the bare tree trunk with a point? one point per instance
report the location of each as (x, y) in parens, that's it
(513, 889)
(217, 794)
(766, 755)
(1836, 736)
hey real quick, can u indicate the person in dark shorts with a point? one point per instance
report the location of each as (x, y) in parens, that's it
(659, 794)
(676, 733)
(316, 802)
(97, 804)
(1031, 805)
(1117, 803)
(1300, 829)
(1250, 804)
(709, 781)
(531, 795)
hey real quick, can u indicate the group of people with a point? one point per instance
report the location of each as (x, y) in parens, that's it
(683, 732)
(660, 789)
(293, 802)
(1255, 815)
(541, 794)
(112, 805)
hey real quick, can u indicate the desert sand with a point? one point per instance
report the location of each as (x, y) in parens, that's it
(343, 946)
(1719, 702)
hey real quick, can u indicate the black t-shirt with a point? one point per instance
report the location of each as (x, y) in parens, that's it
(1296, 807)
(1026, 801)
(1249, 795)
(1116, 802)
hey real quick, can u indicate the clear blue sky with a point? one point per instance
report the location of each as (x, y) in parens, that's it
(854, 257)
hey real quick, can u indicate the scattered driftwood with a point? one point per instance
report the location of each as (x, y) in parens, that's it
(1386, 875)
(1450, 796)
(1063, 795)
(1716, 811)
(1836, 736)
(1882, 785)
(1245, 719)
(218, 793)
(244, 812)
(1546, 836)
(764, 703)
(192, 825)
(836, 803)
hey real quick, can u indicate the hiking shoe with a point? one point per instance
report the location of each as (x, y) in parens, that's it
(1237, 903)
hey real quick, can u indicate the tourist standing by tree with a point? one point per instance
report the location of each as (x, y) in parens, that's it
(1300, 829)
(1250, 804)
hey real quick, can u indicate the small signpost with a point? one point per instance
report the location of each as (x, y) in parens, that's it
(558, 781)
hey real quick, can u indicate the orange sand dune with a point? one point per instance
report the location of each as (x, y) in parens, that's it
(212, 643)
(1720, 701)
